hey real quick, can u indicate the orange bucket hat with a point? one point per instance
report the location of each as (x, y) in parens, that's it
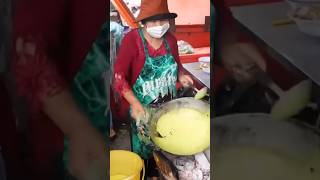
(154, 10)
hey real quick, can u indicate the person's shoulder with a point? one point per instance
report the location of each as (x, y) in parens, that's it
(132, 34)
(130, 39)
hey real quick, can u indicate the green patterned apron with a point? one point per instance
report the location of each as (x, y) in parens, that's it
(90, 87)
(157, 80)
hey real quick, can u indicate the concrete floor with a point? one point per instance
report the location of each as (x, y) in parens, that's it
(122, 141)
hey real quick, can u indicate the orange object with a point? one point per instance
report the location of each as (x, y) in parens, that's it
(154, 7)
(125, 13)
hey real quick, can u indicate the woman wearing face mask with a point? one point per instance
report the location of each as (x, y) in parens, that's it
(147, 69)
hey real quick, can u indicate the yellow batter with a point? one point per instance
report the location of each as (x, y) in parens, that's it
(185, 131)
(252, 163)
(118, 177)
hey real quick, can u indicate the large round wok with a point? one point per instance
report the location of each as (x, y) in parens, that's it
(165, 159)
(186, 102)
(260, 131)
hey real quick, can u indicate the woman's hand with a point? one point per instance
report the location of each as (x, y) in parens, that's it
(138, 113)
(88, 155)
(242, 60)
(87, 147)
(185, 80)
(137, 110)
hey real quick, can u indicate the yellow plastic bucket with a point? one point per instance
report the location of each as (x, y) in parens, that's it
(125, 165)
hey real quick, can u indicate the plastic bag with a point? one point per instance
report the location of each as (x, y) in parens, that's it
(185, 48)
(190, 169)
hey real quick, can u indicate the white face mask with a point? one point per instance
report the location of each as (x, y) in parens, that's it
(158, 31)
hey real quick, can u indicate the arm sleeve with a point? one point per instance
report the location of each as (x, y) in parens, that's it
(122, 65)
(35, 37)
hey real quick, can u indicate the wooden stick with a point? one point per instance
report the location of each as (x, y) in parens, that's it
(282, 22)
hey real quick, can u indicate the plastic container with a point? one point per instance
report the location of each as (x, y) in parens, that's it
(125, 165)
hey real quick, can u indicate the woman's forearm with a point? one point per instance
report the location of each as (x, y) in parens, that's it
(62, 109)
(130, 97)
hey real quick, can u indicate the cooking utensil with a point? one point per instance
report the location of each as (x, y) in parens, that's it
(288, 99)
(201, 93)
(293, 101)
(282, 22)
(193, 91)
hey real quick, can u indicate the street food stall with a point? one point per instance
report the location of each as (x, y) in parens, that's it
(181, 146)
(192, 33)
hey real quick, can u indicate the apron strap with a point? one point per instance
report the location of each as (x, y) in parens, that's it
(144, 43)
(166, 44)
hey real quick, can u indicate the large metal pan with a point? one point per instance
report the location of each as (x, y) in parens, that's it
(260, 130)
(165, 161)
(186, 102)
